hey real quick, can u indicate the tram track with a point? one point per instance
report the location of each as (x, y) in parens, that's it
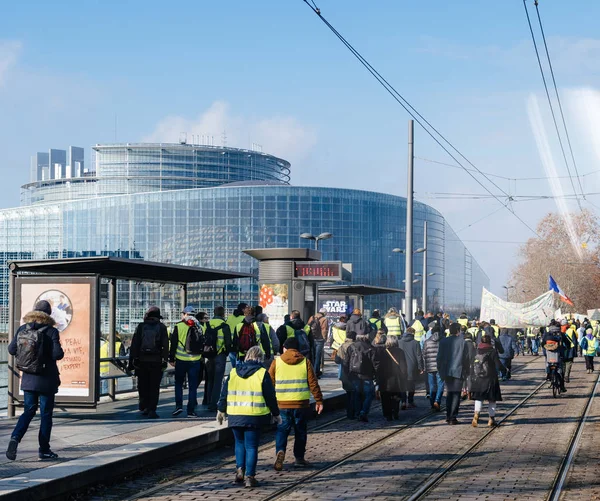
(332, 465)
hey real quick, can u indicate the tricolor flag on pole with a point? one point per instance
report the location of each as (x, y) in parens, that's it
(554, 287)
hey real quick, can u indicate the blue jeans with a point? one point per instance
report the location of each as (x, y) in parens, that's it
(192, 370)
(298, 420)
(534, 345)
(364, 391)
(246, 448)
(436, 385)
(318, 358)
(30, 404)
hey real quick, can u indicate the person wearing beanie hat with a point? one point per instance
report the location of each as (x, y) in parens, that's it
(148, 356)
(39, 386)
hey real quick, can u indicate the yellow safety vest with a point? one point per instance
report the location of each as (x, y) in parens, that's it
(290, 332)
(376, 322)
(181, 354)
(419, 330)
(572, 335)
(245, 396)
(291, 381)
(232, 321)
(591, 349)
(473, 331)
(463, 321)
(105, 366)
(496, 330)
(257, 332)
(214, 323)
(530, 332)
(393, 325)
(339, 337)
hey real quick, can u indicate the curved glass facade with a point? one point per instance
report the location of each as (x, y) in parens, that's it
(119, 169)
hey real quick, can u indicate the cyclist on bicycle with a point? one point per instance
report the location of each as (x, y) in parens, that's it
(556, 342)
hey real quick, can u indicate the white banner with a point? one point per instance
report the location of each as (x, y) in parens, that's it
(537, 312)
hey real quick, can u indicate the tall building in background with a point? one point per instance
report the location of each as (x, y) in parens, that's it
(202, 205)
(39, 166)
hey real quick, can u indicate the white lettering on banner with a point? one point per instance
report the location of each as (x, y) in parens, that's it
(335, 306)
(537, 312)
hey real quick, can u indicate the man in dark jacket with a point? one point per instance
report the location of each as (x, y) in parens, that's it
(453, 366)
(148, 356)
(414, 366)
(554, 334)
(436, 383)
(361, 365)
(38, 389)
(289, 327)
(509, 349)
(358, 324)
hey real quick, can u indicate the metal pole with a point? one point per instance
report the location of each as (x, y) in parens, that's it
(10, 409)
(424, 301)
(183, 296)
(112, 330)
(223, 298)
(409, 225)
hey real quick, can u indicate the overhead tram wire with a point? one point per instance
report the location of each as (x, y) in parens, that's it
(414, 114)
(562, 115)
(562, 148)
(480, 219)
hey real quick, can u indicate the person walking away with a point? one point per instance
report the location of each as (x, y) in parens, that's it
(485, 385)
(295, 380)
(452, 364)
(361, 366)
(232, 320)
(344, 376)
(495, 328)
(215, 365)
(391, 376)
(570, 353)
(36, 348)
(589, 347)
(319, 328)
(419, 325)
(185, 354)
(105, 366)
(338, 334)
(509, 346)
(463, 319)
(294, 327)
(246, 334)
(359, 325)
(148, 356)
(394, 323)
(557, 342)
(268, 333)
(414, 366)
(471, 351)
(436, 383)
(379, 340)
(248, 398)
(376, 322)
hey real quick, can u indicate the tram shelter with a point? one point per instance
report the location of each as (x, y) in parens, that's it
(335, 298)
(73, 287)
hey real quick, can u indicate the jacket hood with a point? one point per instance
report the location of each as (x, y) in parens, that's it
(392, 315)
(355, 318)
(39, 317)
(151, 320)
(407, 336)
(246, 369)
(296, 323)
(292, 357)
(340, 325)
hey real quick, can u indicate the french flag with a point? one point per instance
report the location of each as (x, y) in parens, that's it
(554, 287)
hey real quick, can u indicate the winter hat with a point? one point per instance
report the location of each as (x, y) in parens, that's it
(153, 312)
(589, 330)
(43, 306)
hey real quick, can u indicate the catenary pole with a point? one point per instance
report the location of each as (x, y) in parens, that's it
(424, 281)
(409, 225)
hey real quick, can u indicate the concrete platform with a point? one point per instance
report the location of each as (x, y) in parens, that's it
(115, 441)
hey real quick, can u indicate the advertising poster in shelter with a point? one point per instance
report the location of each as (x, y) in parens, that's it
(74, 310)
(537, 312)
(336, 305)
(274, 299)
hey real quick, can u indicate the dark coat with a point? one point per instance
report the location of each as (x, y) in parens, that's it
(553, 332)
(430, 351)
(412, 354)
(509, 345)
(49, 380)
(452, 359)
(391, 376)
(136, 342)
(340, 357)
(366, 352)
(487, 388)
(296, 324)
(359, 325)
(245, 370)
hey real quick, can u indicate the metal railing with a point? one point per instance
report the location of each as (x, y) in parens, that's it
(3, 387)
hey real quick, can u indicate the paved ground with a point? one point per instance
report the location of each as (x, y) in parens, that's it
(390, 470)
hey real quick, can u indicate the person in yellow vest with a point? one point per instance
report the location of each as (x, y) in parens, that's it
(376, 322)
(248, 400)
(294, 380)
(463, 319)
(105, 366)
(589, 347)
(495, 328)
(232, 320)
(186, 364)
(570, 353)
(419, 325)
(215, 366)
(393, 323)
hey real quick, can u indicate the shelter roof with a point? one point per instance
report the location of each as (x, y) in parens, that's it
(360, 289)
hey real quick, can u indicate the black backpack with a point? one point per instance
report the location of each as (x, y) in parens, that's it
(150, 344)
(358, 362)
(30, 350)
(481, 365)
(315, 329)
(303, 342)
(211, 335)
(194, 341)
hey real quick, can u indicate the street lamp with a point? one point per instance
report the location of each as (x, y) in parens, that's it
(322, 236)
(507, 289)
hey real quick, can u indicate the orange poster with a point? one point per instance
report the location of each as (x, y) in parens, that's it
(71, 309)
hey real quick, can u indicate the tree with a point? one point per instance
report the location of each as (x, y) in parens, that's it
(568, 248)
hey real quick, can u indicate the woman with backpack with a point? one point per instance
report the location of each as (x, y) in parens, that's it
(484, 380)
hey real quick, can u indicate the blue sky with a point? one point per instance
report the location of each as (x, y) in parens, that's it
(269, 72)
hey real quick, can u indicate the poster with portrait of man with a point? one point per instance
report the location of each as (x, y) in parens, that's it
(75, 304)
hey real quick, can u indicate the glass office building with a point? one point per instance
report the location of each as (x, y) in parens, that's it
(202, 205)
